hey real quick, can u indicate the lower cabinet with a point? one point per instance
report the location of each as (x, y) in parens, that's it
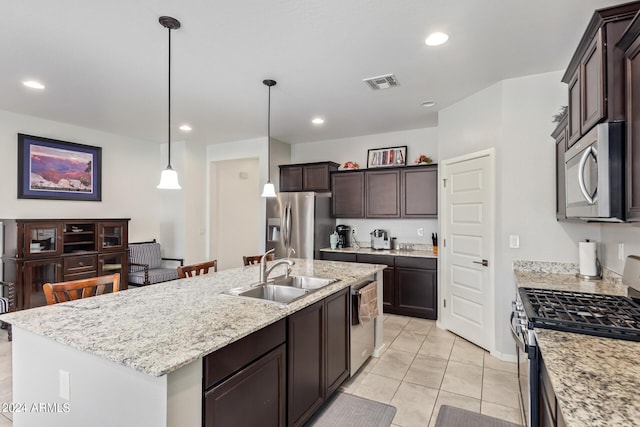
(318, 355)
(550, 414)
(245, 382)
(282, 374)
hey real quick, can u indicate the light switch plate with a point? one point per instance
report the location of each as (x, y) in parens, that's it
(514, 241)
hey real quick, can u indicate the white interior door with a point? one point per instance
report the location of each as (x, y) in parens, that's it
(467, 222)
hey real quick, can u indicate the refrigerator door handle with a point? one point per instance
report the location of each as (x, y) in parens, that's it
(287, 226)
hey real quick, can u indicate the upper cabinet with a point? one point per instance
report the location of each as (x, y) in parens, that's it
(630, 42)
(560, 134)
(595, 75)
(403, 192)
(307, 176)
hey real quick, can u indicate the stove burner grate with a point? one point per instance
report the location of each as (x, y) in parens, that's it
(594, 314)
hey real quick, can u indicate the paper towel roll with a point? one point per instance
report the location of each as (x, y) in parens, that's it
(588, 262)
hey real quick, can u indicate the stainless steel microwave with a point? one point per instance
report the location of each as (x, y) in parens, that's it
(594, 174)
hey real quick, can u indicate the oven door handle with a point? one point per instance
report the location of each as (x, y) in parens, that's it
(516, 332)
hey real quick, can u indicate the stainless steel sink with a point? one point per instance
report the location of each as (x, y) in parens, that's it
(271, 292)
(303, 282)
(283, 289)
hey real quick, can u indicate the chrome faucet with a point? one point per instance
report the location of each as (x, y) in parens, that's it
(264, 271)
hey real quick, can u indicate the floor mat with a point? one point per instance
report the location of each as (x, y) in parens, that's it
(353, 411)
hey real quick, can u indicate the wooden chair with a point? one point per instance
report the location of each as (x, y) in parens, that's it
(7, 303)
(255, 259)
(197, 269)
(83, 288)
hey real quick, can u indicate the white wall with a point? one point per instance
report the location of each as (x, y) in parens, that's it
(246, 149)
(612, 236)
(130, 175)
(418, 141)
(514, 116)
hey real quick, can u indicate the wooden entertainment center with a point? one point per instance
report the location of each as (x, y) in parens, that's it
(37, 251)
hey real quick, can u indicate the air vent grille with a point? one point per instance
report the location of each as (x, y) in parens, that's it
(382, 82)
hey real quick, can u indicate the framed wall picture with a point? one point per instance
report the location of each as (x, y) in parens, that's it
(58, 170)
(386, 157)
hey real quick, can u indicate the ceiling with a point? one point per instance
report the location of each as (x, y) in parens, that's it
(104, 63)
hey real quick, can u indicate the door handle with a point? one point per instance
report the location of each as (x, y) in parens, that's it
(591, 151)
(484, 262)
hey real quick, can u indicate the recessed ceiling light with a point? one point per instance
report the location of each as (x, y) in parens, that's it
(33, 84)
(185, 128)
(427, 104)
(436, 39)
(317, 121)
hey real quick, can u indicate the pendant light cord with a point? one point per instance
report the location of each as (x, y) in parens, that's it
(169, 106)
(269, 138)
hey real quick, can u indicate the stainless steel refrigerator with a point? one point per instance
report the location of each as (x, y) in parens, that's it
(301, 221)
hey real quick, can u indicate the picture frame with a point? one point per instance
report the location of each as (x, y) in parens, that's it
(387, 157)
(58, 170)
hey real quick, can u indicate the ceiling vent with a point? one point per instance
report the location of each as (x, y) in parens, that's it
(382, 82)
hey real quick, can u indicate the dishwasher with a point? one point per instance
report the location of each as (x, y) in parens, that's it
(362, 333)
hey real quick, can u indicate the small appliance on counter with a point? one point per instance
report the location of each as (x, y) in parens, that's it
(380, 239)
(344, 236)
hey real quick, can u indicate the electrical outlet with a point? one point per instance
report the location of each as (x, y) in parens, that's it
(64, 384)
(621, 251)
(421, 231)
(353, 231)
(514, 241)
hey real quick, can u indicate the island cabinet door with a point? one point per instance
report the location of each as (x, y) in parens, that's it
(253, 396)
(305, 354)
(337, 339)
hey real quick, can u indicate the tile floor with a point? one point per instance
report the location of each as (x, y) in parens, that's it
(424, 367)
(421, 368)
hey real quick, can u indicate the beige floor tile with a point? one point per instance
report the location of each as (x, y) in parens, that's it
(408, 341)
(464, 379)
(426, 371)
(393, 364)
(393, 320)
(500, 387)
(350, 384)
(369, 364)
(465, 352)
(378, 388)
(414, 404)
(437, 346)
(456, 400)
(435, 331)
(421, 326)
(5, 422)
(499, 365)
(502, 412)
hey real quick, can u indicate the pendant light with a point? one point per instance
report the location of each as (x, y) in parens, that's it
(169, 177)
(269, 190)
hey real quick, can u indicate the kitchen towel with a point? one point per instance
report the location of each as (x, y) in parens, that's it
(368, 307)
(588, 260)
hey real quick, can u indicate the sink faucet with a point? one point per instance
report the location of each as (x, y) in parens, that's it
(264, 271)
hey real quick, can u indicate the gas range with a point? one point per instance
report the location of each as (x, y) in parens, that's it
(610, 316)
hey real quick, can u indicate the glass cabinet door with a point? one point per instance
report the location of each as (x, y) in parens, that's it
(42, 239)
(112, 236)
(36, 274)
(111, 263)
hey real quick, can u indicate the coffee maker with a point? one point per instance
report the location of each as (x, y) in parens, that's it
(344, 236)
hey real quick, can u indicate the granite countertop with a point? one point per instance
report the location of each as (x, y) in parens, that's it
(160, 328)
(595, 379)
(420, 253)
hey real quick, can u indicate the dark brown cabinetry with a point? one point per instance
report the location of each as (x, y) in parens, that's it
(419, 192)
(382, 193)
(244, 382)
(595, 74)
(630, 42)
(406, 192)
(42, 251)
(307, 176)
(560, 135)
(318, 355)
(550, 414)
(347, 199)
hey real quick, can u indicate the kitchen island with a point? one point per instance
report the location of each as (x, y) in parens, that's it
(135, 357)
(595, 380)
